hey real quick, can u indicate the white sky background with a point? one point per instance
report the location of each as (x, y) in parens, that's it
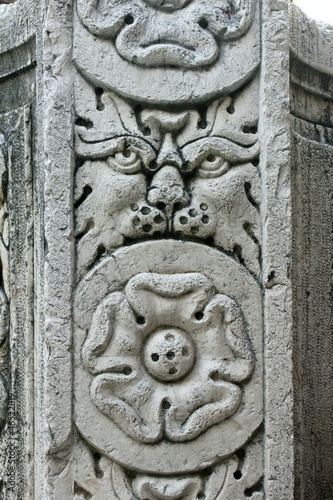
(322, 10)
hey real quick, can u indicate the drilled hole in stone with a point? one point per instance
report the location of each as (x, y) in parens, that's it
(169, 337)
(203, 23)
(153, 165)
(211, 158)
(160, 205)
(127, 370)
(172, 371)
(186, 167)
(129, 19)
(199, 315)
(136, 221)
(166, 405)
(145, 210)
(205, 219)
(81, 122)
(158, 219)
(209, 241)
(250, 129)
(183, 220)
(99, 92)
(146, 131)
(155, 357)
(134, 207)
(194, 230)
(204, 207)
(231, 109)
(215, 376)
(147, 228)
(237, 474)
(81, 492)
(140, 320)
(202, 123)
(170, 355)
(127, 153)
(240, 453)
(258, 487)
(178, 206)
(207, 472)
(201, 496)
(192, 212)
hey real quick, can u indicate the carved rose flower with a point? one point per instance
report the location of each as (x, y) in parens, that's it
(167, 355)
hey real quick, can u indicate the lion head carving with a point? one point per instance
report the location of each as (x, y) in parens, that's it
(178, 33)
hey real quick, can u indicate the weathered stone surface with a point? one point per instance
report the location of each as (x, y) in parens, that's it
(164, 50)
(148, 408)
(165, 251)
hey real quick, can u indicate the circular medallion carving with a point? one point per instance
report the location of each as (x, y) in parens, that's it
(123, 314)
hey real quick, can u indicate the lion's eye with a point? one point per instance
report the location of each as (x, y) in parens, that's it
(126, 161)
(213, 165)
(126, 157)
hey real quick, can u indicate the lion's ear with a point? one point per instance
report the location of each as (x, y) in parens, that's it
(241, 15)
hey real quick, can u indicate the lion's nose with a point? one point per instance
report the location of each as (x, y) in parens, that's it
(167, 190)
(168, 5)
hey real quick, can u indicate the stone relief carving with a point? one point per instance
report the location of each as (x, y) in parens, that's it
(185, 174)
(167, 47)
(181, 33)
(167, 309)
(168, 358)
(167, 377)
(4, 308)
(237, 477)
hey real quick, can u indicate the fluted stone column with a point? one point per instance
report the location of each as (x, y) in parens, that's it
(166, 251)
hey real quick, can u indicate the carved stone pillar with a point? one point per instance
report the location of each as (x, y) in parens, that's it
(166, 247)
